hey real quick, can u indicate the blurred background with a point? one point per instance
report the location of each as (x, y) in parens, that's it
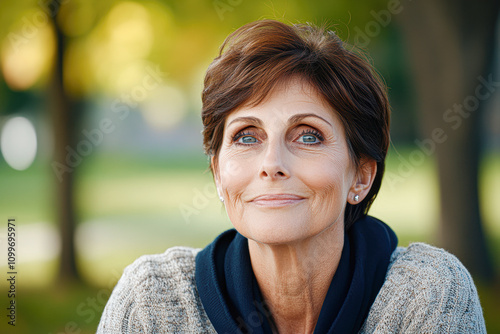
(101, 155)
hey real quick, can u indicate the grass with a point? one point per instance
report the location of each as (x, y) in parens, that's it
(57, 309)
(129, 206)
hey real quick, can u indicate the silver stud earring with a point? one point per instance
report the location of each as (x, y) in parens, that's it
(220, 196)
(356, 198)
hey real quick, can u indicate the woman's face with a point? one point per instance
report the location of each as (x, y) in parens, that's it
(284, 168)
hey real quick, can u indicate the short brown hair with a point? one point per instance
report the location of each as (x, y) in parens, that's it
(261, 54)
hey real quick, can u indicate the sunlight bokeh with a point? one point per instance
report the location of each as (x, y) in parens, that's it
(26, 53)
(18, 142)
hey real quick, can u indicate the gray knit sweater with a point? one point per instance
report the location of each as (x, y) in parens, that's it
(426, 290)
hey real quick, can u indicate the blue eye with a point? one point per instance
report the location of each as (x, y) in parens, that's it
(310, 137)
(247, 140)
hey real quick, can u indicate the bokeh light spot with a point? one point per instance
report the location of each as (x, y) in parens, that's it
(165, 107)
(27, 51)
(18, 143)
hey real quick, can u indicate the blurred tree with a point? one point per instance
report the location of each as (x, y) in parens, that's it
(28, 30)
(452, 46)
(64, 110)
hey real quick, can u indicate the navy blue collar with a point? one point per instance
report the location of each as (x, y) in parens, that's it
(233, 302)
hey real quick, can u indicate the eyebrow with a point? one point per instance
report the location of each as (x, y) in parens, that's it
(292, 120)
(249, 119)
(299, 117)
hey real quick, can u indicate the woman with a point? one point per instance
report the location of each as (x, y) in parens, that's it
(297, 129)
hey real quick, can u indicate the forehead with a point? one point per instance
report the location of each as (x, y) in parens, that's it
(288, 98)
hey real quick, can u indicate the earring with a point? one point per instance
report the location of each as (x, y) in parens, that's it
(220, 196)
(356, 198)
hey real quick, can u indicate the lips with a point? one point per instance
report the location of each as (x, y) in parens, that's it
(276, 200)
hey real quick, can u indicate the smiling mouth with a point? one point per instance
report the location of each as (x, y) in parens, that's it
(275, 201)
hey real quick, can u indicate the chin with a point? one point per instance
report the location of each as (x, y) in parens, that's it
(275, 226)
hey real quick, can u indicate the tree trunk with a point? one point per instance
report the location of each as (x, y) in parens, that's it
(63, 116)
(451, 45)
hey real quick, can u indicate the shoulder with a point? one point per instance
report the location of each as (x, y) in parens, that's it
(176, 262)
(426, 289)
(156, 293)
(428, 264)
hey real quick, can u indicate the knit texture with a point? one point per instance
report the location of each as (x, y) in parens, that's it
(426, 290)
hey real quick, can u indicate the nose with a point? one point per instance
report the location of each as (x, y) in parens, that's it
(274, 162)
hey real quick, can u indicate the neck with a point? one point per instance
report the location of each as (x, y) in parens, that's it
(294, 278)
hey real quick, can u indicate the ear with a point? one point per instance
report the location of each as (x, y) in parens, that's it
(215, 172)
(363, 180)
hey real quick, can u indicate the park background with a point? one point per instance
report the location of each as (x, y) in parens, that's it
(101, 155)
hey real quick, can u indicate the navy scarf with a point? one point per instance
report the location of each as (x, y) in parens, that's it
(233, 302)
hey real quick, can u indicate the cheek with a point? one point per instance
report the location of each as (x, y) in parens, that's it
(234, 174)
(327, 178)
